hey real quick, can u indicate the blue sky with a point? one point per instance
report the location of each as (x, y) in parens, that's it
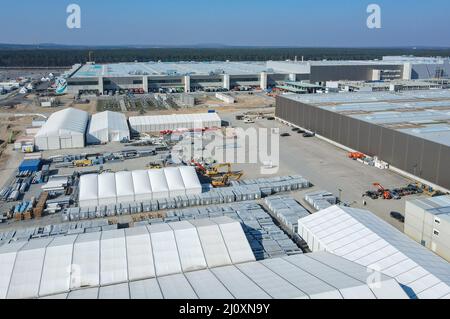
(231, 22)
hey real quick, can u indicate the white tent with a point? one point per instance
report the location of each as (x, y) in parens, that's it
(146, 262)
(107, 127)
(158, 123)
(361, 237)
(175, 181)
(190, 180)
(89, 192)
(158, 181)
(142, 186)
(107, 193)
(124, 187)
(63, 129)
(137, 186)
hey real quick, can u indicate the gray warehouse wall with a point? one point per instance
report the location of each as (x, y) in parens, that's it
(417, 156)
(349, 72)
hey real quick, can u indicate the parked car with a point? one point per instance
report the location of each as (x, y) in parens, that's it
(285, 135)
(398, 216)
(295, 129)
(308, 134)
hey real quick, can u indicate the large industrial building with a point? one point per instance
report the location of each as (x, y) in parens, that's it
(408, 130)
(427, 221)
(361, 237)
(192, 76)
(137, 186)
(198, 259)
(63, 129)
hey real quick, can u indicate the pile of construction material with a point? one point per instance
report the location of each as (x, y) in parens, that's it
(278, 184)
(287, 211)
(55, 230)
(321, 199)
(210, 197)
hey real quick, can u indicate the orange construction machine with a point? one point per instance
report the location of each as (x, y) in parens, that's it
(356, 155)
(386, 193)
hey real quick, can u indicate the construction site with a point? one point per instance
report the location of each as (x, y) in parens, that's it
(157, 194)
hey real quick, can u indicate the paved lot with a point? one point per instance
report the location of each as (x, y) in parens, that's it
(329, 168)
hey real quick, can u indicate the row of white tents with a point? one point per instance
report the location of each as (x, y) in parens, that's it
(142, 124)
(137, 186)
(71, 128)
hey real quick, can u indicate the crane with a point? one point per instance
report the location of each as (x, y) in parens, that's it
(386, 193)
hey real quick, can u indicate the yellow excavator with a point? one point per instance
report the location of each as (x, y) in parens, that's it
(224, 180)
(213, 171)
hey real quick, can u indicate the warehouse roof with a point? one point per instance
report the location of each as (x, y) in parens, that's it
(170, 69)
(40, 267)
(438, 206)
(367, 97)
(176, 119)
(360, 236)
(319, 275)
(108, 120)
(98, 189)
(425, 114)
(66, 122)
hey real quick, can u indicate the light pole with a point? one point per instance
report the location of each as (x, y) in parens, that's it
(340, 195)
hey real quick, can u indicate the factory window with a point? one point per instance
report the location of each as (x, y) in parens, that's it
(106, 82)
(170, 81)
(246, 80)
(137, 81)
(436, 232)
(83, 83)
(206, 81)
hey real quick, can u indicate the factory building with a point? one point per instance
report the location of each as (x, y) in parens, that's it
(63, 129)
(427, 221)
(124, 187)
(409, 130)
(157, 123)
(107, 127)
(180, 77)
(204, 258)
(363, 238)
(192, 76)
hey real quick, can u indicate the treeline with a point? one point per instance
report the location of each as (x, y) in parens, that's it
(68, 57)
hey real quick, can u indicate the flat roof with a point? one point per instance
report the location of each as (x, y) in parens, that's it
(170, 69)
(425, 114)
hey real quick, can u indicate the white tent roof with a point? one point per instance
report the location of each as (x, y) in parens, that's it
(175, 121)
(141, 183)
(58, 259)
(106, 186)
(174, 179)
(138, 185)
(124, 184)
(89, 191)
(190, 179)
(66, 122)
(360, 236)
(158, 181)
(189, 246)
(259, 280)
(111, 121)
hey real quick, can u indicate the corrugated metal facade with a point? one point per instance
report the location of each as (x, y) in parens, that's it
(422, 158)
